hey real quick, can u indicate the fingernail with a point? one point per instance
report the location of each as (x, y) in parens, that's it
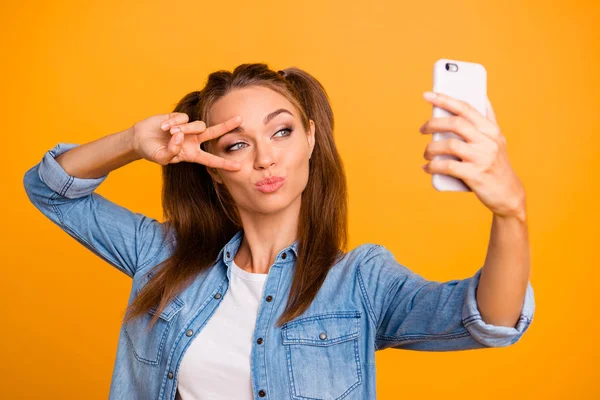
(164, 126)
(429, 95)
(175, 130)
(424, 167)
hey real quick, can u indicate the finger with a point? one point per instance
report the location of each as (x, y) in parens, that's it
(464, 109)
(192, 127)
(490, 114)
(210, 160)
(174, 145)
(222, 128)
(174, 119)
(451, 146)
(458, 169)
(455, 124)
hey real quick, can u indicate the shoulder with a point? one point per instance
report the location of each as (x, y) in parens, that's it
(376, 264)
(363, 251)
(369, 253)
(371, 260)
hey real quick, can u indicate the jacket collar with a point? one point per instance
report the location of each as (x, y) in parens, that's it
(229, 251)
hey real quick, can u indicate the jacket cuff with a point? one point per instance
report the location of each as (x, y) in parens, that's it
(57, 179)
(493, 335)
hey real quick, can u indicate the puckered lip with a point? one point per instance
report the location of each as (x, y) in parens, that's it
(269, 180)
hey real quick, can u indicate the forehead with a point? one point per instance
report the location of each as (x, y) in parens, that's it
(253, 103)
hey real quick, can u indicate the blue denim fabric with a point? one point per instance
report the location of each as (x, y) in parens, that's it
(368, 302)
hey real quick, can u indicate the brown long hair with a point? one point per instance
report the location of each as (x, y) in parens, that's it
(197, 208)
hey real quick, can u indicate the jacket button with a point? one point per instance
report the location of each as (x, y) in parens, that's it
(323, 336)
(269, 298)
(260, 340)
(189, 332)
(218, 296)
(284, 256)
(228, 254)
(170, 375)
(262, 393)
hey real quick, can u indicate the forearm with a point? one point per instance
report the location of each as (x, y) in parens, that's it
(99, 157)
(506, 271)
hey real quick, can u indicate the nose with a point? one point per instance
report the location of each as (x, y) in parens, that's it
(265, 155)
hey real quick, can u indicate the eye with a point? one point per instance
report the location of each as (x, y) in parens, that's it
(289, 131)
(232, 147)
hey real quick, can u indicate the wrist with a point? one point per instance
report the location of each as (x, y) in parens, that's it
(129, 141)
(519, 214)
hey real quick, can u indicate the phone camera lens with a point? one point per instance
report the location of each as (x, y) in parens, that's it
(451, 67)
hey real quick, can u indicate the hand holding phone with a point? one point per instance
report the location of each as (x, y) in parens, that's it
(465, 81)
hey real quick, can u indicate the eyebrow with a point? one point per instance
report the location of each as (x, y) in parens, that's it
(266, 120)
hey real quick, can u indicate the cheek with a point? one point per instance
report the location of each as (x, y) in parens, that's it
(298, 153)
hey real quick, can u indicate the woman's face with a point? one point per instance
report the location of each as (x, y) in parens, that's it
(278, 148)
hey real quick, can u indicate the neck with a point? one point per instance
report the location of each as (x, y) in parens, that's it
(265, 235)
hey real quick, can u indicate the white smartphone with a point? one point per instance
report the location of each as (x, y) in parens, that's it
(465, 81)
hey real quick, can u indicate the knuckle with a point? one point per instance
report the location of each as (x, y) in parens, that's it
(494, 146)
(429, 150)
(477, 179)
(453, 144)
(455, 121)
(199, 125)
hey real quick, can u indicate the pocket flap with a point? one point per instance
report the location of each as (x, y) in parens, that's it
(174, 306)
(170, 310)
(322, 329)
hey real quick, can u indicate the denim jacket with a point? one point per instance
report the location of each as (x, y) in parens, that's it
(368, 302)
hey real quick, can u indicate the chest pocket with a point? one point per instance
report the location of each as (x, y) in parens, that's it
(323, 355)
(148, 345)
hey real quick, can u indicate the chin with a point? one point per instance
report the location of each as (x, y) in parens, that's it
(272, 202)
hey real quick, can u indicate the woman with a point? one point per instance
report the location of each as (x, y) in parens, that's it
(246, 290)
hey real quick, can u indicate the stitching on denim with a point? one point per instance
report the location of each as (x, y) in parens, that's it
(179, 305)
(474, 318)
(160, 346)
(141, 267)
(363, 290)
(165, 242)
(321, 316)
(81, 239)
(175, 305)
(181, 336)
(67, 185)
(407, 337)
(269, 323)
(346, 392)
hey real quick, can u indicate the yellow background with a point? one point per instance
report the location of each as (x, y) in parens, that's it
(76, 71)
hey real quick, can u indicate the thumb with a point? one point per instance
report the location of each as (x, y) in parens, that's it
(174, 146)
(490, 114)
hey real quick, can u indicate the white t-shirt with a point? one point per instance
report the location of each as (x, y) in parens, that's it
(216, 365)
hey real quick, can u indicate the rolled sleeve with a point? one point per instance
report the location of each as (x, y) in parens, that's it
(493, 335)
(53, 175)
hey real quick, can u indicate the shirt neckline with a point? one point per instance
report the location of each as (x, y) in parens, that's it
(249, 276)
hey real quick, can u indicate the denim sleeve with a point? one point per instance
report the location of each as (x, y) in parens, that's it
(413, 313)
(124, 239)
